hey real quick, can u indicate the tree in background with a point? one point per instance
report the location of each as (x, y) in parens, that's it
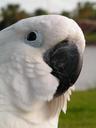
(85, 11)
(66, 13)
(10, 15)
(40, 12)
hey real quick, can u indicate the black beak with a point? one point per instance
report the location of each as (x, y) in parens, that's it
(66, 62)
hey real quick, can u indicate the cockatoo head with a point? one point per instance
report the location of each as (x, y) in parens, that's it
(41, 57)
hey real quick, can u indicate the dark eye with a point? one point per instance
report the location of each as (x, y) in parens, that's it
(34, 39)
(31, 36)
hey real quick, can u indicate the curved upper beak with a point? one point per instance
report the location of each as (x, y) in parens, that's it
(66, 62)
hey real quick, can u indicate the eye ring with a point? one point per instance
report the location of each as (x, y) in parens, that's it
(34, 39)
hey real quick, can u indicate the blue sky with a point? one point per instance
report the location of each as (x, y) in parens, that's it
(50, 5)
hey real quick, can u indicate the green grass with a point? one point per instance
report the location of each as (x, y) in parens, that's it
(81, 111)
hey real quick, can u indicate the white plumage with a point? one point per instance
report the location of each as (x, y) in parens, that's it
(27, 86)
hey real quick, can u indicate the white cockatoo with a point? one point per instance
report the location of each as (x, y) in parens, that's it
(40, 60)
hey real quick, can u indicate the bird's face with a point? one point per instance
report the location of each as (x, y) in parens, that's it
(50, 50)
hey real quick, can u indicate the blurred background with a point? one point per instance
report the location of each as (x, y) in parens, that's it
(82, 108)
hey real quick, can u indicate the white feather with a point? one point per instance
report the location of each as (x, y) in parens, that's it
(60, 103)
